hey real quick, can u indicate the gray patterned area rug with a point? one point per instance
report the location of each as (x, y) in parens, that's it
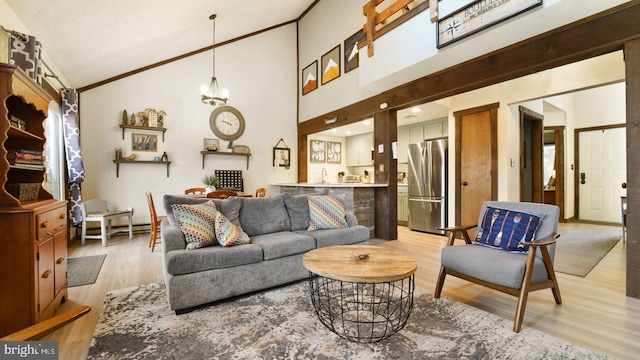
(280, 323)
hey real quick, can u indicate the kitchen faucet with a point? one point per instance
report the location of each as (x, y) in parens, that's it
(324, 172)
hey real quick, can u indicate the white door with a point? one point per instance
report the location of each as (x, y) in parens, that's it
(603, 160)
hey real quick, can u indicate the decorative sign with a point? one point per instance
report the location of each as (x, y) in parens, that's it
(477, 16)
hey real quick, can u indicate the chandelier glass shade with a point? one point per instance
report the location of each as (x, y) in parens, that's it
(212, 95)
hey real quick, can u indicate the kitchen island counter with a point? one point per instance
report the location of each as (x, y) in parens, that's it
(359, 197)
(331, 185)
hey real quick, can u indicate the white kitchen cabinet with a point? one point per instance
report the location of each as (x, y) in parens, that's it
(359, 150)
(403, 205)
(433, 129)
(416, 134)
(404, 139)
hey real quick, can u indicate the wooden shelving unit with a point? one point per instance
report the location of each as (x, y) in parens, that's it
(222, 153)
(33, 243)
(118, 162)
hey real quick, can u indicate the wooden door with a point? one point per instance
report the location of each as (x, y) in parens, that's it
(476, 160)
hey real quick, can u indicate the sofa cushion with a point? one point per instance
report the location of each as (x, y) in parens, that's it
(229, 207)
(298, 209)
(197, 223)
(326, 212)
(507, 229)
(228, 234)
(180, 262)
(346, 236)
(264, 215)
(285, 243)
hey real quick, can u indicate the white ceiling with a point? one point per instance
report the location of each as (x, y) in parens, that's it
(93, 40)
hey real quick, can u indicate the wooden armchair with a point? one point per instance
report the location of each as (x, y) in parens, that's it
(514, 273)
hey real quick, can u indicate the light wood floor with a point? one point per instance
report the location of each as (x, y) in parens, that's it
(595, 312)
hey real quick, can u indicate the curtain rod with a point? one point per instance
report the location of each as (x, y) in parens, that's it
(25, 37)
(53, 75)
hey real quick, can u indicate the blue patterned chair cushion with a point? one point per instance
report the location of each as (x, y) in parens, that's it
(507, 229)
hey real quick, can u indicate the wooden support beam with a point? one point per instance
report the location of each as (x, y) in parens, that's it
(433, 10)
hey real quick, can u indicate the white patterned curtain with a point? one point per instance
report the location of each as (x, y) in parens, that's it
(75, 169)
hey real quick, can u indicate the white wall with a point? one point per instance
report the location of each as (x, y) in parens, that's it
(260, 74)
(409, 51)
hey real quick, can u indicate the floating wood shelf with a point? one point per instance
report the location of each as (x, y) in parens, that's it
(163, 130)
(205, 153)
(118, 162)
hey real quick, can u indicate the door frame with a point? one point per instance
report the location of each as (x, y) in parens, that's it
(537, 184)
(493, 110)
(576, 152)
(560, 170)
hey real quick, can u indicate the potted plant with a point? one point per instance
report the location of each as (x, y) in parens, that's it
(230, 146)
(210, 182)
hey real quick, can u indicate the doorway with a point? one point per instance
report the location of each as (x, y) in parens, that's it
(553, 167)
(531, 146)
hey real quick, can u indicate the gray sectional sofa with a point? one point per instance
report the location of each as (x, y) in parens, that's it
(277, 227)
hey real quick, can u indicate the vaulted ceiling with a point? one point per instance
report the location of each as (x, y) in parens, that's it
(93, 40)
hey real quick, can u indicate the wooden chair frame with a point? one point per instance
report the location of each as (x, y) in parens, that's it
(523, 293)
(155, 221)
(221, 194)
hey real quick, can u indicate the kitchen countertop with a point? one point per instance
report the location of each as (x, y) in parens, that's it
(332, 185)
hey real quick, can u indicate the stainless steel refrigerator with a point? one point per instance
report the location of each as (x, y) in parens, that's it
(427, 185)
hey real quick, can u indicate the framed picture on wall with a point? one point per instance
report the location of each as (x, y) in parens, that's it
(310, 78)
(351, 55)
(144, 142)
(334, 152)
(318, 151)
(281, 157)
(330, 65)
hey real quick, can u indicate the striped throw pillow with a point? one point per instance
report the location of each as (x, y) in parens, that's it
(229, 234)
(326, 212)
(197, 223)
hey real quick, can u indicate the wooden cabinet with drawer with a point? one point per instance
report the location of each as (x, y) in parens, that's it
(33, 261)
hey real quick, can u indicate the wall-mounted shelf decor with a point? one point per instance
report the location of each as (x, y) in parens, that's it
(118, 162)
(205, 153)
(163, 130)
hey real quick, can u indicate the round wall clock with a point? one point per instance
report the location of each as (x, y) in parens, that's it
(227, 123)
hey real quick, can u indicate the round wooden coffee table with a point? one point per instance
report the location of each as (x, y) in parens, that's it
(362, 293)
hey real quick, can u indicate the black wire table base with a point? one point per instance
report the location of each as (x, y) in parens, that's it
(362, 312)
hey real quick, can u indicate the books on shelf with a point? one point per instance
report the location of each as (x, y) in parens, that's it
(26, 158)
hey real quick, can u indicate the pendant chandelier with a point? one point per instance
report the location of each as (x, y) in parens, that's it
(212, 95)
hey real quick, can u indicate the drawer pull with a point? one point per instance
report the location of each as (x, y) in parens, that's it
(46, 274)
(60, 260)
(61, 216)
(44, 224)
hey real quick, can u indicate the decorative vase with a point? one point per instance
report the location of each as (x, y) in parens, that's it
(209, 189)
